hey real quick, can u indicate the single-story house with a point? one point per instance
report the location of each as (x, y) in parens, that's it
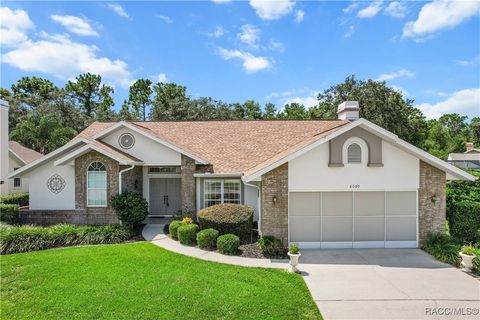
(344, 183)
(13, 156)
(470, 159)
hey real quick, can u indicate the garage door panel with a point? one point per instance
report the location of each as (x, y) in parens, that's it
(305, 204)
(369, 229)
(305, 229)
(337, 229)
(401, 228)
(369, 203)
(337, 203)
(401, 203)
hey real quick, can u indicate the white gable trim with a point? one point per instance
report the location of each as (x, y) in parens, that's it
(82, 150)
(453, 171)
(46, 157)
(17, 157)
(134, 128)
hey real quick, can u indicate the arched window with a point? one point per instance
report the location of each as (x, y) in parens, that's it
(97, 185)
(354, 153)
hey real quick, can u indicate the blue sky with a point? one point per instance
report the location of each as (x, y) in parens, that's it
(277, 52)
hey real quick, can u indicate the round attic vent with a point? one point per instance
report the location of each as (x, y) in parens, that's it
(126, 141)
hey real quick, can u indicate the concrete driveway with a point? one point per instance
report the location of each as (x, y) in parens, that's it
(388, 284)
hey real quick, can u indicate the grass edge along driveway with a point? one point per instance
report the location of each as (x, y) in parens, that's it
(142, 281)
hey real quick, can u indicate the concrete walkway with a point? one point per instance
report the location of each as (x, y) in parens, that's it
(154, 233)
(365, 283)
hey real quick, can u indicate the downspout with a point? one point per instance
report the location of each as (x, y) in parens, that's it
(259, 203)
(120, 177)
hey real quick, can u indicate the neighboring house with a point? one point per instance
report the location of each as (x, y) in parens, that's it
(470, 159)
(325, 184)
(18, 157)
(12, 157)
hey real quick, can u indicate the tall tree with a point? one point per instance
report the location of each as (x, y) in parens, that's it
(170, 102)
(139, 97)
(475, 131)
(270, 111)
(293, 111)
(33, 91)
(88, 93)
(252, 110)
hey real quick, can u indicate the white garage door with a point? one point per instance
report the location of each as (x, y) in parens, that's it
(360, 219)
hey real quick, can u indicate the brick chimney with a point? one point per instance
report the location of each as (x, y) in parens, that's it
(348, 110)
(469, 146)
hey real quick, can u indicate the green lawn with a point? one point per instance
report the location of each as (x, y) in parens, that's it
(143, 281)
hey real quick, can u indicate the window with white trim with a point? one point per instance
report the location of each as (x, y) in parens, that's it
(354, 153)
(221, 191)
(97, 185)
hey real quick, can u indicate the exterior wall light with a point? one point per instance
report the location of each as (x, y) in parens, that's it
(434, 198)
(274, 199)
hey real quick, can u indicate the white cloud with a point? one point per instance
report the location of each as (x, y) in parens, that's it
(165, 19)
(272, 10)
(162, 77)
(465, 102)
(75, 25)
(475, 61)
(276, 46)
(118, 9)
(351, 7)
(63, 58)
(438, 15)
(14, 25)
(394, 75)
(396, 9)
(304, 96)
(251, 63)
(249, 34)
(350, 31)
(371, 11)
(299, 15)
(218, 32)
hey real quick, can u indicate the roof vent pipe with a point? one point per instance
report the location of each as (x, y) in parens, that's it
(348, 110)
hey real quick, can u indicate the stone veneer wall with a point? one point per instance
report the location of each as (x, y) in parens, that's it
(132, 180)
(51, 217)
(85, 214)
(275, 215)
(188, 187)
(431, 215)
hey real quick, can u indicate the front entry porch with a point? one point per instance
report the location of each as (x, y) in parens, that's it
(165, 197)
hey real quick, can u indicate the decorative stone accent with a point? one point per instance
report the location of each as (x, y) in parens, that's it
(132, 180)
(188, 187)
(275, 213)
(79, 217)
(81, 166)
(431, 201)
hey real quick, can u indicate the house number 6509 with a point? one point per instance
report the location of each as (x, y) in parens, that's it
(354, 186)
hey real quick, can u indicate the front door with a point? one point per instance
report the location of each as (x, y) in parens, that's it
(165, 196)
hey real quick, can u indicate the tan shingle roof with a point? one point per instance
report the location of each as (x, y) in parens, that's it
(25, 154)
(234, 146)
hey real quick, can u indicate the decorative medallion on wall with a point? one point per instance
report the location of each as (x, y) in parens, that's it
(126, 141)
(56, 183)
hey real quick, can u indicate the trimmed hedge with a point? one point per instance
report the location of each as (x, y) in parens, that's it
(271, 246)
(465, 221)
(444, 248)
(9, 213)
(26, 238)
(20, 199)
(131, 208)
(236, 219)
(228, 244)
(207, 239)
(173, 228)
(187, 233)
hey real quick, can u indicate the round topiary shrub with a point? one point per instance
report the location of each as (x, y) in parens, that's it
(131, 208)
(271, 246)
(228, 218)
(173, 228)
(207, 239)
(187, 233)
(228, 243)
